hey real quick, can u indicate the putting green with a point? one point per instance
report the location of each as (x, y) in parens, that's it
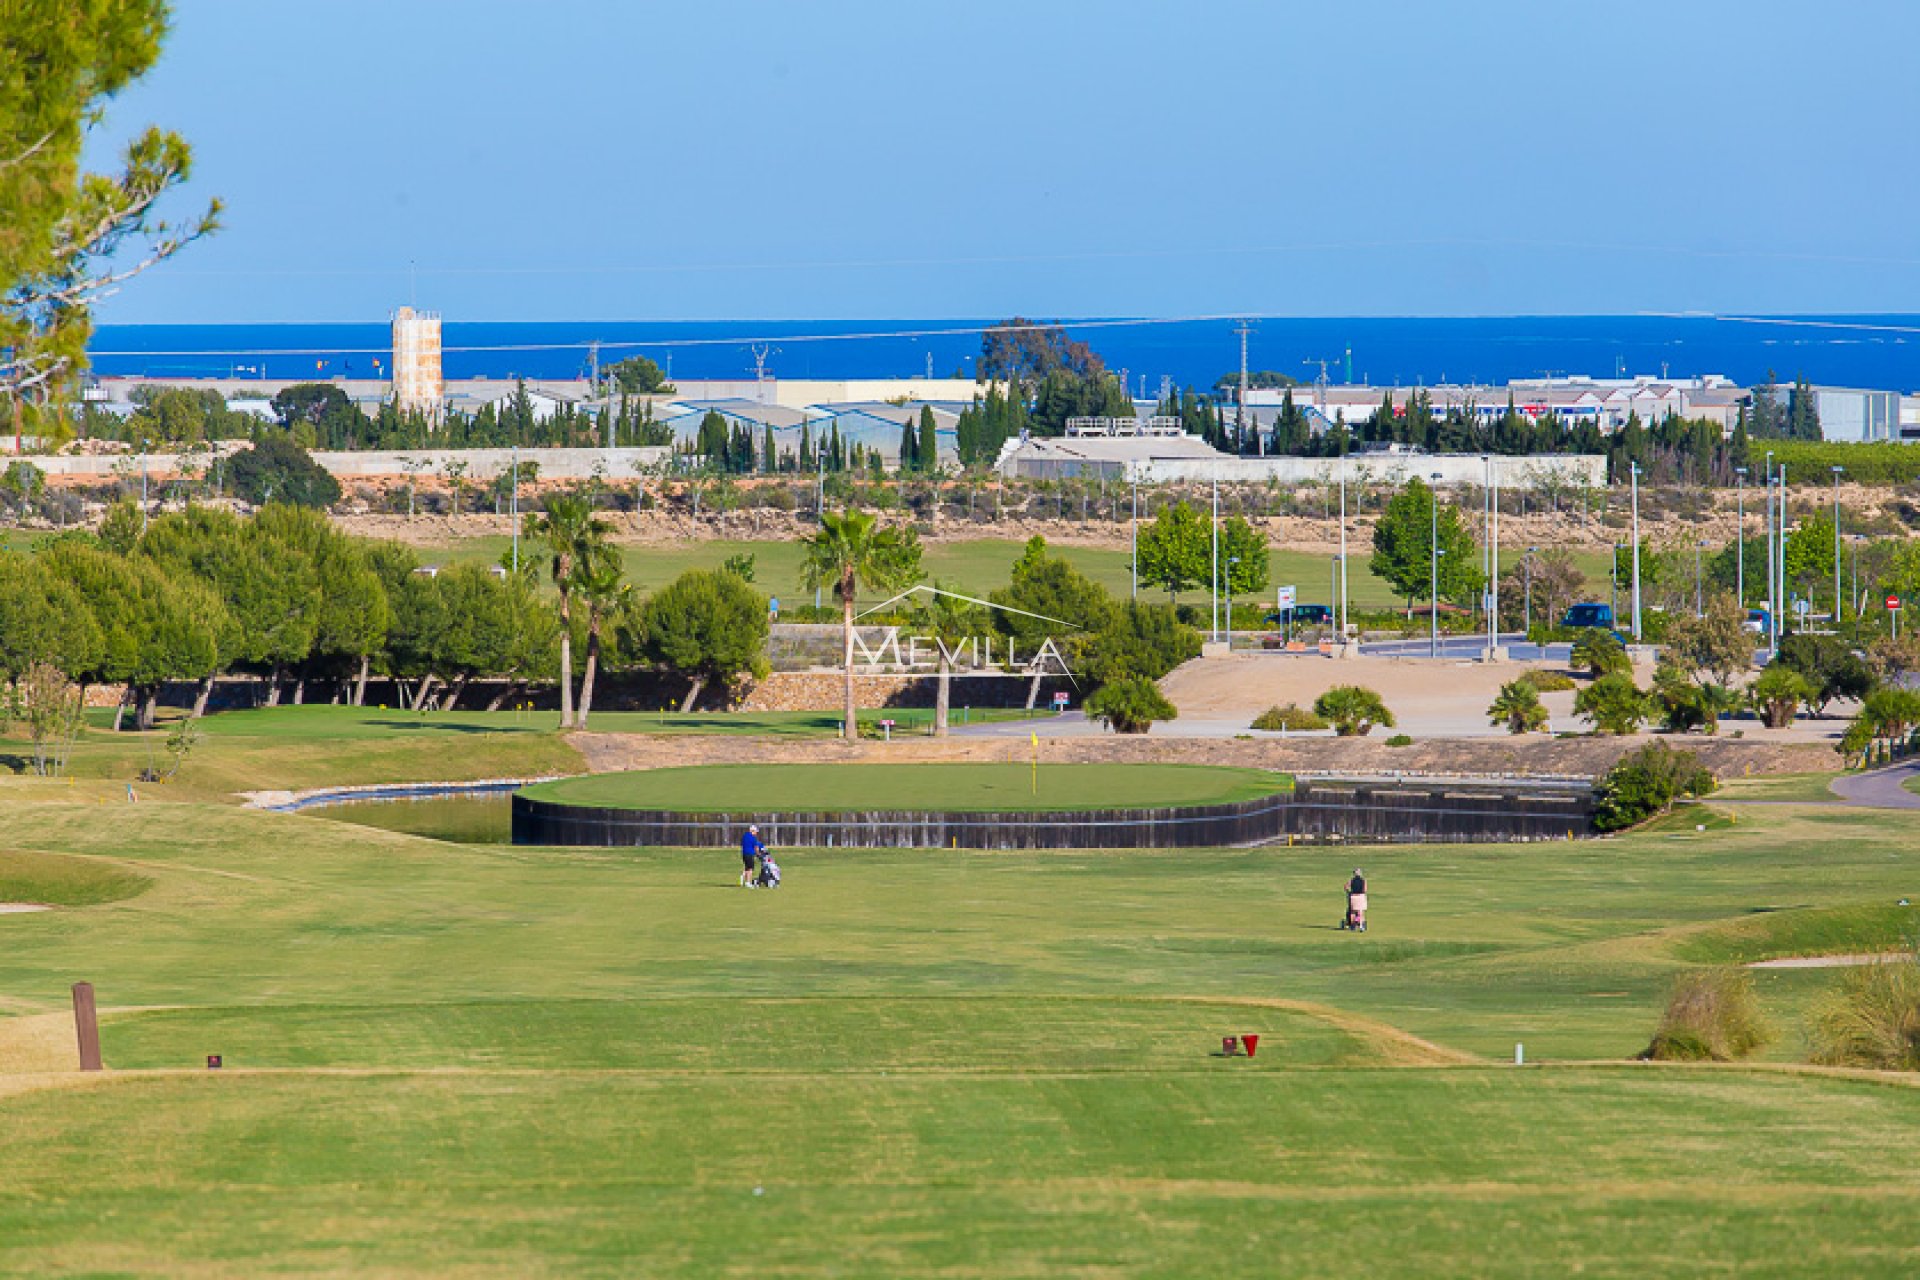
(945, 788)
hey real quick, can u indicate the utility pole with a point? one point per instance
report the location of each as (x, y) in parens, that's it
(1135, 594)
(1433, 571)
(1836, 544)
(1243, 328)
(1635, 469)
(1740, 536)
(514, 507)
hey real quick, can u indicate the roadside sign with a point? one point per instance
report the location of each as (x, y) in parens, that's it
(1803, 607)
(1893, 604)
(1283, 597)
(1060, 700)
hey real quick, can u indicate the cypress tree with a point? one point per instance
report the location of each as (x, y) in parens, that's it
(909, 447)
(928, 454)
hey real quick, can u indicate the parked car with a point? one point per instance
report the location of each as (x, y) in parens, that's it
(1588, 616)
(1302, 615)
(1759, 621)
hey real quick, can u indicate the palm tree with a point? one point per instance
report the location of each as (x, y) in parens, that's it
(571, 532)
(1600, 652)
(1517, 706)
(949, 621)
(852, 550)
(599, 579)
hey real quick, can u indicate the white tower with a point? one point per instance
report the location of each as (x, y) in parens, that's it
(416, 362)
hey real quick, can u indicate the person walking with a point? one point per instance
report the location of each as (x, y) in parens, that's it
(751, 848)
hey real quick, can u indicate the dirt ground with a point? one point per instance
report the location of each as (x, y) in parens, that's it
(1535, 753)
(1427, 698)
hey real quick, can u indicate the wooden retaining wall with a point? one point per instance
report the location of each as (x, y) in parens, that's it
(1323, 810)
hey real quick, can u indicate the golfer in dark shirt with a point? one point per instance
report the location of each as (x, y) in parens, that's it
(750, 850)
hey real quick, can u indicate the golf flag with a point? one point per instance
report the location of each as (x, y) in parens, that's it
(1035, 739)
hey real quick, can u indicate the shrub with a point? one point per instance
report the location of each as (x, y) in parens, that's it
(1872, 1019)
(1400, 740)
(1130, 704)
(1601, 653)
(1712, 1016)
(1291, 718)
(1517, 706)
(1614, 703)
(1647, 782)
(1778, 694)
(1685, 706)
(1547, 681)
(1352, 710)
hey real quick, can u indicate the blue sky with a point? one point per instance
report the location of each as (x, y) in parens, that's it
(570, 160)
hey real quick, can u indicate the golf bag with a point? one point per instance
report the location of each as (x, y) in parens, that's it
(769, 877)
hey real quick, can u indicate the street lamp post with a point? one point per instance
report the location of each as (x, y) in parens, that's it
(1837, 470)
(1740, 536)
(1528, 611)
(1613, 586)
(1772, 599)
(1635, 468)
(514, 508)
(1699, 595)
(1216, 558)
(1433, 572)
(1342, 590)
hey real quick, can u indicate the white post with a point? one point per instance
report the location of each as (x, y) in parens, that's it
(1343, 549)
(1216, 559)
(1635, 470)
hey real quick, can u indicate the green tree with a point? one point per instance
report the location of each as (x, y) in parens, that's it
(572, 534)
(949, 621)
(601, 580)
(279, 470)
(1146, 640)
(852, 550)
(1176, 550)
(351, 625)
(1829, 665)
(1130, 704)
(927, 452)
(1403, 540)
(638, 375)
(1614, 703)
(1517, 706)
(1243, 557)
(42, 620)
(154, 626)
(1714, 647)
(71, 237)
(1044, 592)
(707, 625)
(1352, 710)
(332, 419)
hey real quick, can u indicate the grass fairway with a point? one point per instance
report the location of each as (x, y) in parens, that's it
(949, 788)
(505, 1061)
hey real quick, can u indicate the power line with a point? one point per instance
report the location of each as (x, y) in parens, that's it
(646, 344)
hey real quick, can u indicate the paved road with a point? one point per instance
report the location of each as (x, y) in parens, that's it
(1469, 648)
(1879, 789)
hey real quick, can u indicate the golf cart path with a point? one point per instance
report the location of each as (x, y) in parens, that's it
(1880, 789)
(1825, 962)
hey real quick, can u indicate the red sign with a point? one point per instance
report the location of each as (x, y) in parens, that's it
(1893, 604)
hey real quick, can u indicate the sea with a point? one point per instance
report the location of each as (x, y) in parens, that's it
(1873, 351)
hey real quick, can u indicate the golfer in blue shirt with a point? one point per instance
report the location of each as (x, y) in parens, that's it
(751, 848)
